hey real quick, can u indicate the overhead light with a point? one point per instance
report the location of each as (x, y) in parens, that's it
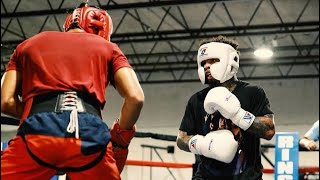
(263, 53)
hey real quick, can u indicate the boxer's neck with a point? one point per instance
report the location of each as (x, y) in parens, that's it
(76, 30)
(230, 84)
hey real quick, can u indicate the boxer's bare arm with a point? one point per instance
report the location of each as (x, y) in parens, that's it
(10, 103)
(183, 141)
(128, 86)
(263, 126)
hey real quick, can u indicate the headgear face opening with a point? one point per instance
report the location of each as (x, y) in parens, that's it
(91, 20)
(223, 70)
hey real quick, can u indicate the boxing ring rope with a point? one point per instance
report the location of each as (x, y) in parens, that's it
(9, 121)
(170, 149)
(186, 165)
(157, 164)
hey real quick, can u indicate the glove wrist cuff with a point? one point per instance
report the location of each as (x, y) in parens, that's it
(194, 144)
(243, 119)
(121, 137)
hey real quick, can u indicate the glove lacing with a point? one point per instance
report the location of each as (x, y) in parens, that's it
(70, 103)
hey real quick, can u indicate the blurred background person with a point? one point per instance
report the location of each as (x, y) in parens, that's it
(309, 140)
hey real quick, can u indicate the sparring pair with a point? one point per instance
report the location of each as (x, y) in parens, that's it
(62, 78)
(223, 123)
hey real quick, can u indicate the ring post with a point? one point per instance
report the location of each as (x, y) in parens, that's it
(287, 156)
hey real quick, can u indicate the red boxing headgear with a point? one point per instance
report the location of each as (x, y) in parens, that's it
(91, 20)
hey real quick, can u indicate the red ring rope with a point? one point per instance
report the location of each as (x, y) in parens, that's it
(185, 165)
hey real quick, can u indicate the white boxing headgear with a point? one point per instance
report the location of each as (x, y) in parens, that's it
(91, 19)
(223, 70)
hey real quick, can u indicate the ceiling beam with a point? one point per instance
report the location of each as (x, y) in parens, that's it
(285, 26)
(193, 65)
(110, 7)
(252, 30)
(311, 76)
(242, 50)
(159, 37)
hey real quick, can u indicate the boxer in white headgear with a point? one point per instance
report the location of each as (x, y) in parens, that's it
(227, 65)
(231, 151)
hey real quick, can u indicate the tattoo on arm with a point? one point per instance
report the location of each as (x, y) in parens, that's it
(263, 126)
(183, 141)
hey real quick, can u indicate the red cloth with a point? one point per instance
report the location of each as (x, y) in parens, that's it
(64, 61)
(16, 162)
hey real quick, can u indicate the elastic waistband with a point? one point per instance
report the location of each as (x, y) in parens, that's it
(51, 102)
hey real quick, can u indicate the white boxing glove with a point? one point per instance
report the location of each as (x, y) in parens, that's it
(222, 100)
(219, 145)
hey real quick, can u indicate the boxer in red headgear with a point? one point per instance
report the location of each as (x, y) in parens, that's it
(97, 21)
(62, 78)
(91, 20)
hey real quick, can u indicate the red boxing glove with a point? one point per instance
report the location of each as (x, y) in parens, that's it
(120, 142)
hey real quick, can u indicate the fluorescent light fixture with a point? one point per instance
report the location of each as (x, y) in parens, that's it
(263, 53)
